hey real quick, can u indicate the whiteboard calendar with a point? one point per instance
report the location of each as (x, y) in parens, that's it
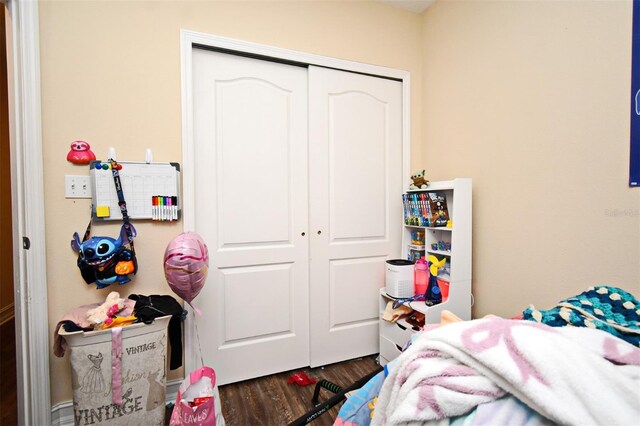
(142, 183)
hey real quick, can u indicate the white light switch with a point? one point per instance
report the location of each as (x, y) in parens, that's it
(77, 186)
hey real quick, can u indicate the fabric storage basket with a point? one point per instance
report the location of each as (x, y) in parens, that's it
(142, 374)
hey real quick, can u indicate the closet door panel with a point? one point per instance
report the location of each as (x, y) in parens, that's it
(356, 157)
(360, 273)
(355, 172)
(254, 176)
(251, 201)
(239, 282)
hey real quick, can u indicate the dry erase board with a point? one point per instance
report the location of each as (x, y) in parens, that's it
(140, 183)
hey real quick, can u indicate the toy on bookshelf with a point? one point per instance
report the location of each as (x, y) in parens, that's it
(415, 252)
(417, 237)
(441, 245)
(433, 295)
(418, 180)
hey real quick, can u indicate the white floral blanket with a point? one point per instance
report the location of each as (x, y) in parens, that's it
(568, 375)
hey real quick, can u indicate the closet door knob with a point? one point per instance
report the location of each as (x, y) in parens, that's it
(319, 232)
(303, 234)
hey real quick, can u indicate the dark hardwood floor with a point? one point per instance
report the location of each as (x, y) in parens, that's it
(271, 401)
(8, 404)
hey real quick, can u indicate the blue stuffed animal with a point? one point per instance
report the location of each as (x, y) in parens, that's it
(105, 260)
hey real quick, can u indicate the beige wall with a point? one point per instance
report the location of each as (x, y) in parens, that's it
(531, 99)
(111, 76)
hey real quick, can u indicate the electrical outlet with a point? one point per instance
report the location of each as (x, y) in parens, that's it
(77, 186)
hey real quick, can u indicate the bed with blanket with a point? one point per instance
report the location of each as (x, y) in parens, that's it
(578, 363)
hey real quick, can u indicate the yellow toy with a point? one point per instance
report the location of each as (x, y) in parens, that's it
(435, 265)
(433, 296)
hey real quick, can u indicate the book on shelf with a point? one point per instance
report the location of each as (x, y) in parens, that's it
(425, 209)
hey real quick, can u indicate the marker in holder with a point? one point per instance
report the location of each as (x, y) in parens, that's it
(164, 208)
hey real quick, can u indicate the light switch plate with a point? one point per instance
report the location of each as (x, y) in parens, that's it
(77, 186)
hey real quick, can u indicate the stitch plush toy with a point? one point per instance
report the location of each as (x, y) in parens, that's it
(419, 182)
(106, 260)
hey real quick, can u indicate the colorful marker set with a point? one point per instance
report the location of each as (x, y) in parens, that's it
(164, 208)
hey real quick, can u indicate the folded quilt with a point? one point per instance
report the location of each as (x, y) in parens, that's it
(567, 375)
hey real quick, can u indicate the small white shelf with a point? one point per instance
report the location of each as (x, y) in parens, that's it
(458, 193)
(417, 305)
(437, 186)
(408, 326)
(440, 252)
(431, 228)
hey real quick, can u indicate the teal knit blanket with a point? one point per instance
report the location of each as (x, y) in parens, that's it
(606, 308)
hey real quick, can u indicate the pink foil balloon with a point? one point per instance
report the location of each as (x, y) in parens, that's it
(186, 263)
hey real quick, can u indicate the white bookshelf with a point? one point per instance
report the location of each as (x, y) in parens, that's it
(458, 193)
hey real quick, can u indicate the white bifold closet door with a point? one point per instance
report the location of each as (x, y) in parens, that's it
(250, 133)
(355, 170)
(297, 195)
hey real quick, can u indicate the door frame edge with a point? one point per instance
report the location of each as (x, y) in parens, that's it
(190, 39)
(30, 275)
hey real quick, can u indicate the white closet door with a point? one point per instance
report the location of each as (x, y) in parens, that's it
(250, 132)
(355, 152)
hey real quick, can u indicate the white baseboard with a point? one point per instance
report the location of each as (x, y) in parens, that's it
(62, 413)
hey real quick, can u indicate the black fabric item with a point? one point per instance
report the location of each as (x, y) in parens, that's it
(148, 308)
(88, 273)
(71, 327)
